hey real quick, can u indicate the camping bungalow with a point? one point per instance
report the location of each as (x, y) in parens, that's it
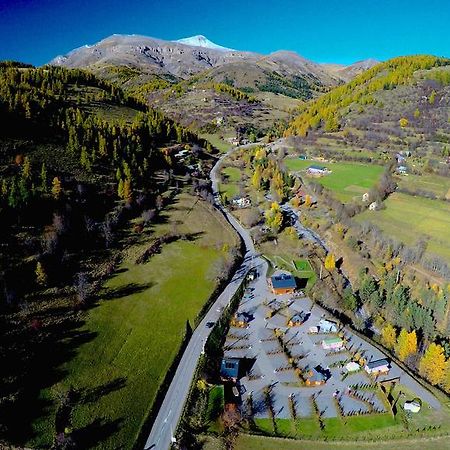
(332, 344)
(315, 377)
(229, 368)
(297, 319)
(352, 366)
(327, 326)
(379, 366)
(241, 319)
(282, 283)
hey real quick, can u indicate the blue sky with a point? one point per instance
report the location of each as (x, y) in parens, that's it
(342, 31)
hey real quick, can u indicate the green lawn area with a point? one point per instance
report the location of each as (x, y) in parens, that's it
(347, 180)
(137, 328)
(251, 442)
(230, 187)
(431, 183)
(217, 141)
(406, 218)
(216, 402)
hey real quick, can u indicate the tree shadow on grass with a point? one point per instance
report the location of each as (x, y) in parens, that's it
(125, 291)
(33, 360)
(96, 432)
(94, 394)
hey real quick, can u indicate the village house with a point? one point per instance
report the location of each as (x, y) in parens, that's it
(317, 170)
(241, 202)
(373, 206)
(332, 344)
(402, 170)
(315, 377)
(365, 197)
(379, 366)
(282, 283)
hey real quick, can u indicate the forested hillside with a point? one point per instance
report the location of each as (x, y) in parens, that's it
(80, 162)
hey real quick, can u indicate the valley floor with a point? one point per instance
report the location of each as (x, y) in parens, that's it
(137, 327)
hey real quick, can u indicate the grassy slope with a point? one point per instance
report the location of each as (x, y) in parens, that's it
(439, 186)
(347, 180)
(407, 218)
(138, 330)
(247, 442)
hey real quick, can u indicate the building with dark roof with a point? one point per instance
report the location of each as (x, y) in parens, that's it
(229, 368)
(315, 377)
(282, 283)
(378, 366)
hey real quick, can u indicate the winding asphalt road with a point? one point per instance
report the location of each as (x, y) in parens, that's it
(161, 434)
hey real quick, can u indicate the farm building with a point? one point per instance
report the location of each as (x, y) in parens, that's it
(352, 366)
(378, 366)
(332, 344)
(315, 377)
(241, 202)
(241, 319)
(327, 326)
(373, 206)
(282, 283)
(302, 158)
(402, 170)
(317, 170)
(229, 368)
(297, 319)
(365, 197)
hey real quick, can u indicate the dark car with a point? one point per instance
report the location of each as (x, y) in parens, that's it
(209, 324)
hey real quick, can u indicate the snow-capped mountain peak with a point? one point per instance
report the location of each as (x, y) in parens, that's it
(201, 41)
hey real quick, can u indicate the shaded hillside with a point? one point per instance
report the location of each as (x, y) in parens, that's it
(79, 160)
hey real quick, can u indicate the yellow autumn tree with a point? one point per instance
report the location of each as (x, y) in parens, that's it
(274, 217)
(256, 178)
(330, 262)
(308, 200)
(56, 188)
(403, 122)
(388, 336)
(406, 344)
(432, 364)
(41, 276)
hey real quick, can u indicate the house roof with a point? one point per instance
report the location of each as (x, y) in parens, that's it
(299, 317)
(317, 167)
(283, 281)
(327, 323)
(333, 340)
(315, 375)
(377, 363)
(242, 316)
(230, 367)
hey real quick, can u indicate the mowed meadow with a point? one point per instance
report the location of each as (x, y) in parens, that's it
(347, 180)
(408, 218)
(138, 326)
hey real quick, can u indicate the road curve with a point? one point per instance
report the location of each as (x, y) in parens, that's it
(165, 424)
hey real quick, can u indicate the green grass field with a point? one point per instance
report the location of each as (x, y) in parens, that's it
(215, 140)
(230, 187)
(347, 180)
(249, 442)
(406, 218)
(137, 328)
(435, 184)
